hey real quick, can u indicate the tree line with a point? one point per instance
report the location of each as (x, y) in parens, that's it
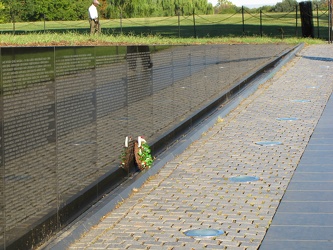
(64, 10)
(34, 10)
(226, 6)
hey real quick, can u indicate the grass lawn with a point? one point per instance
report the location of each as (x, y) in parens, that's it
(202, 29)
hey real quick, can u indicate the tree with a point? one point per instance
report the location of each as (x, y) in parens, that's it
(224, 2)
(267, 8)
(13, 9)
(2, 13)
(33, 10)
(286, 6)
(225, 6)
(322, 4)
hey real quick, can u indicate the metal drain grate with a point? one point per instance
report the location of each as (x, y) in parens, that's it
(204, 232)
(244, 178)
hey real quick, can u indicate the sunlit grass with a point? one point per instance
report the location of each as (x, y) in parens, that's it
(74, 39)
(277, 19)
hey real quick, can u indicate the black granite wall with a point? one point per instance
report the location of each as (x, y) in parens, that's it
(65, 112)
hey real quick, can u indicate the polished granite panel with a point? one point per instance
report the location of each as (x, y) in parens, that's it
(311, 185)
(306, 207)
(315, 168)
(313, 177)
(300, 233)
(305, 195)
(295, 245)
(304, 219)
(316, 146)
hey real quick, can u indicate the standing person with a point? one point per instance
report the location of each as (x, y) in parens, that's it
(95, 26)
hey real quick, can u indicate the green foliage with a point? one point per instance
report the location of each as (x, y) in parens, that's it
(224, 2)
(36, 10)
(145, 156)
(321, 4)
(286, 6)
(267, 8)
(64, 10)
(226, 7)
(2, 16)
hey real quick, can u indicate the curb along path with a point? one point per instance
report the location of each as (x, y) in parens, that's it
(194, 191)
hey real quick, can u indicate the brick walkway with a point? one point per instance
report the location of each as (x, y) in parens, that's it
(193, 190)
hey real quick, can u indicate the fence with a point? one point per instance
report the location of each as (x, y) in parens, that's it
(239, 23)
(65, 112)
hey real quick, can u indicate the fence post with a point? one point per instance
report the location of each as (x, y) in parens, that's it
(13, 20)
(44, 23)
(306, 18)
(330, 21)
(195, 29)
(318, 19)
(243, 20)
(260, 22)
(121, 21)
(178, 13)
(296, 30)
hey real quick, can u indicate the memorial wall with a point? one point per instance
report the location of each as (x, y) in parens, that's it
(65, 112)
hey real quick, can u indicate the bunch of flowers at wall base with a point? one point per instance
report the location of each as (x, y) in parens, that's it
(142, 154)
(136, 153)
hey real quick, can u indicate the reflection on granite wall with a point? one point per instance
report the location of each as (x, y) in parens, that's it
(65, 111)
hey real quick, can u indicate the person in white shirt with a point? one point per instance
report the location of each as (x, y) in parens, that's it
(95, 26)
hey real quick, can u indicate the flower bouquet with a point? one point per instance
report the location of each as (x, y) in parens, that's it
(142, 154)
(136, 153)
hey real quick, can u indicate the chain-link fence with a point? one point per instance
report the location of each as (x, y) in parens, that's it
(240, 23)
